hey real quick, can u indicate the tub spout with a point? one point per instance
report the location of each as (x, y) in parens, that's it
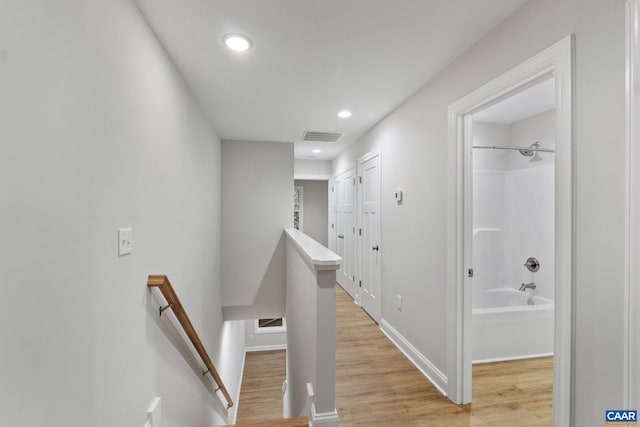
(526, 286)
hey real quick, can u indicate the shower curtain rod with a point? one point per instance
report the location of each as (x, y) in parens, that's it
(511, 147)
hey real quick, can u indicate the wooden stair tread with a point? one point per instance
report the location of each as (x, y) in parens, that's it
(286, 422)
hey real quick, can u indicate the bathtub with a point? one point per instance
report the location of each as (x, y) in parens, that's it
(509, 324)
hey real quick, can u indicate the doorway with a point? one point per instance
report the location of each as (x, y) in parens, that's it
(369, 234)
(512, 226)
(555, 61)
(344, 201)
(512, 247)
(355, 232)
(311, 204)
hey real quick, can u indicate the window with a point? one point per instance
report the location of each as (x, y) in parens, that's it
(297, 208)
(269, 326)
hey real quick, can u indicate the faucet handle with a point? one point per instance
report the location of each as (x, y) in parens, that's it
(532, 264)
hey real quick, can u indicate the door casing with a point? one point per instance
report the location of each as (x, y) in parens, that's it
(373, 306)
(556, 60)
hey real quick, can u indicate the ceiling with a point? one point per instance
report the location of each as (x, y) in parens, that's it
(529, 102)
(311, 59)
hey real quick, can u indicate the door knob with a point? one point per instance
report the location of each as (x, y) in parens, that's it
(340, 236)
(375, 248)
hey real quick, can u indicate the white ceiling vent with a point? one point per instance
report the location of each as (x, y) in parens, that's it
(321, 136)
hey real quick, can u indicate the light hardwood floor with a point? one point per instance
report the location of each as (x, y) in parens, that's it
(377, 386)
(261, 391)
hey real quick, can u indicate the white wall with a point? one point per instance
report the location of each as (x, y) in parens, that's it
(257, 341)
(413, 141)
(312, 169)
(257, 205)
(99, 131)
(315, 209)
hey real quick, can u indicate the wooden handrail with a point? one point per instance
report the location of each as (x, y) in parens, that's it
(162, 282)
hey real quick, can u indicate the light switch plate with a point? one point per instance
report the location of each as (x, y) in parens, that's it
(399, 302)
(125, 241)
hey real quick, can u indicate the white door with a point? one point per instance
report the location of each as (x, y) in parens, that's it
(344, 204)
(369, 208)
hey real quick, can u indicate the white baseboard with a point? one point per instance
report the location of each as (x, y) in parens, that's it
(319, 419)
(265, 347)
(234, 413)
(428, 369)
(323, 419)
(505, 359)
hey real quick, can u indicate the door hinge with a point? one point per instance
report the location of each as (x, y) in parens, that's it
(360, 179)
(332, 189)
(353, 278)
(354, 230)
(332, 226)
(360, 283)
(354, 181)
(470, 272)
(360, 232)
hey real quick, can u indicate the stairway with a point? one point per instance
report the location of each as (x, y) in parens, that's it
(287, 422)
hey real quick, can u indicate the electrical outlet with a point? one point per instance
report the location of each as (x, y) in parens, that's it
(399, 302)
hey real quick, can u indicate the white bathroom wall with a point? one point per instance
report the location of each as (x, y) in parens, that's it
(513, 205)
(530, 190)
(530, 227)
(413, 144)
(489, 256)
(98, 131)
(487, 135)
(538, 128)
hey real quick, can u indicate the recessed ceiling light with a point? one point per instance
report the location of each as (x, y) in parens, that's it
(316, 150)
(344, 114)
(237, 42)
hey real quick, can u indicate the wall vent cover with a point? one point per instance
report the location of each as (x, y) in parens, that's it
(321, 136)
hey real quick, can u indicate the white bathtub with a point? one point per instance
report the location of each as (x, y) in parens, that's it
(509, 324)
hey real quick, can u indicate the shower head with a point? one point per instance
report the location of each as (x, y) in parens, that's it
(535, 158)
(532, 153)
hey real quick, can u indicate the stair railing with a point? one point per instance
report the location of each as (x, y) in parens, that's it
(162, 283)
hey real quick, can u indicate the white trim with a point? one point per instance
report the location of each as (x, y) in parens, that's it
(314, 254)
(269, 329)
(348, 284)
(424, 365)
(319, 419)
(300, 190)
(359, 246)
(331, 215)
(253, 348)
(557, 59)
(505, 359)
(234, 412)
(632, 210)
(311, 177)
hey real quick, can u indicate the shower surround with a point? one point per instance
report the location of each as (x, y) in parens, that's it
(513, 219)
